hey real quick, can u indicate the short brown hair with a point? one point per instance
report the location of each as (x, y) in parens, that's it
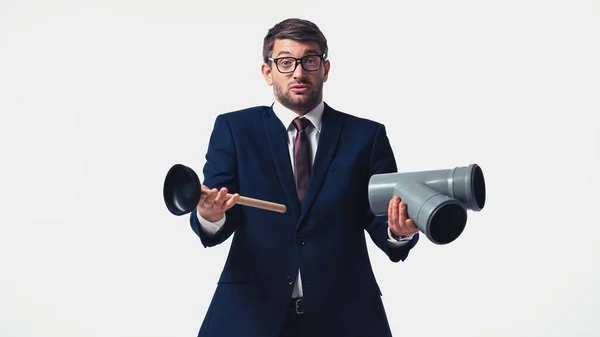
(293, 29)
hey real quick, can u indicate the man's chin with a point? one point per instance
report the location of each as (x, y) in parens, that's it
(299, 99)
(299, 102)
(298, 95)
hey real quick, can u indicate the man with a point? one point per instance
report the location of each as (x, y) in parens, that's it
(305, 272)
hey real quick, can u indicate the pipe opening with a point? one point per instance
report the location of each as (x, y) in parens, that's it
(447, 223)
(478, 187)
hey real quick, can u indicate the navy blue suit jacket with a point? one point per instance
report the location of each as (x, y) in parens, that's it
(324, 236)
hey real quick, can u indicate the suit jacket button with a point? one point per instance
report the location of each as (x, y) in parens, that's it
(300, 241)
(289, 280)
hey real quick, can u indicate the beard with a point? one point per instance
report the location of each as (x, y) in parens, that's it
(303, 103)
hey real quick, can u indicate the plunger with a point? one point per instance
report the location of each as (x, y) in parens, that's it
(182, 191)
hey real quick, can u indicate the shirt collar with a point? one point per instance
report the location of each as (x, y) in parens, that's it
(286, 116)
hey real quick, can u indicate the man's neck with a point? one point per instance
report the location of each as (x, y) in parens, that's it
(300, 112)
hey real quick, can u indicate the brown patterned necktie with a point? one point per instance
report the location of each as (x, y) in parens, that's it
(302, 157)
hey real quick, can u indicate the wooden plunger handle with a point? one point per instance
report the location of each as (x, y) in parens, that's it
(269, 206)
(266, 205)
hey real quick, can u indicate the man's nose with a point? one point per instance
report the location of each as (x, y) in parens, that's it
(299, 72)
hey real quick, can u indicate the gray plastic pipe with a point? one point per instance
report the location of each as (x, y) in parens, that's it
(437, 201)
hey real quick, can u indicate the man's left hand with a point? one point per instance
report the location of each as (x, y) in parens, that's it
(398, 220)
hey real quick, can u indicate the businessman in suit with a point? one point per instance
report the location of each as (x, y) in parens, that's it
(305, 272)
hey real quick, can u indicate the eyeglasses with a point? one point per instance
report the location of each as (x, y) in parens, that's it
(287, 65)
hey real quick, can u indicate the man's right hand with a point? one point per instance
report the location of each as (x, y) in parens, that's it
(213, 203)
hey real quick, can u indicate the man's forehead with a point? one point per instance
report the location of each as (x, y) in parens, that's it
(289, 46)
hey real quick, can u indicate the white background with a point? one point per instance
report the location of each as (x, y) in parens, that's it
(99, 98)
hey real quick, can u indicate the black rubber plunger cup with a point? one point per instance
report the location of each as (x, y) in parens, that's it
(182, 191)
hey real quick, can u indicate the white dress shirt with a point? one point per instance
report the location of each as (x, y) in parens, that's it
(286, 116)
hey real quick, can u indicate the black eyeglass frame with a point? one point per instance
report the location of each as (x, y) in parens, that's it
(274, 60)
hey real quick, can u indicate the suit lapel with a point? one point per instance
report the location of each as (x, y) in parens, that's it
(328, 141)
(276, 135)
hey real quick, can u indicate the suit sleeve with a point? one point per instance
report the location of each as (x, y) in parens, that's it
(219, 171)
(382, 160)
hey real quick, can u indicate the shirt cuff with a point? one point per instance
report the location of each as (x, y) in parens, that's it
(209, 226)
(401, 241)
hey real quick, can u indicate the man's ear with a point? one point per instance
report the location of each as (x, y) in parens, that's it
(326, 65)
(267, 73)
